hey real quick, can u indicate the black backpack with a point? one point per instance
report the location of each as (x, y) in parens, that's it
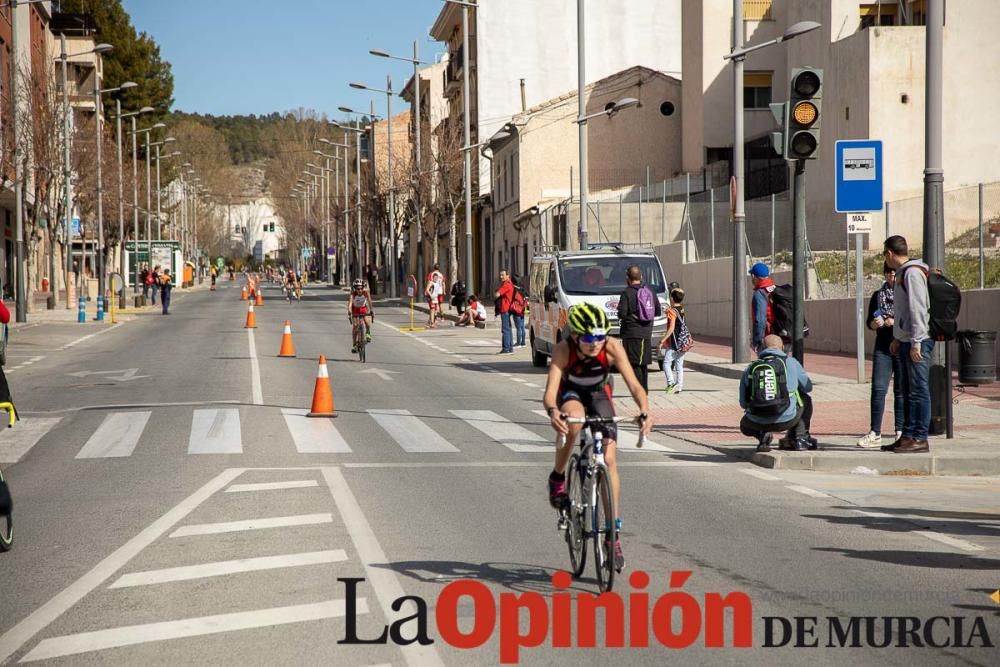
(783, 320)
(767, 394)
(945, 304)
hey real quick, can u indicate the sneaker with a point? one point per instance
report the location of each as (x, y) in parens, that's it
(899, 434)
(871, 440)
(899, 441)
(557, 492)
(912, 446)
(764, 443)
(813, 442)
(354, 349)
(619, 556)
(800, 445)
(669, 388)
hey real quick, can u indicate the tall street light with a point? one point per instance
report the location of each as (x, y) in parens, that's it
(121, 196)
(357, 131)
(157, 145)
(416, 83)
(135, 192)
(98, 117)
(466, 141)
(67, 168)
(741, 315)
(392, 191)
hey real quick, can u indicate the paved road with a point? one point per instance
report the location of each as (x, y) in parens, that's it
(174, 506)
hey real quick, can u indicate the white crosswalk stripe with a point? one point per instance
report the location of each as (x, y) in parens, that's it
(116, 437)
(215, 432)
(16, 441)
(314, 436)
(409, 432)
(512, 436)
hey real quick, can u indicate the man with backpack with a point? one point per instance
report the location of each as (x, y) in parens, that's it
(637, 308)
(926, 308)
(771, 309)
(518, 305)
(774, 394)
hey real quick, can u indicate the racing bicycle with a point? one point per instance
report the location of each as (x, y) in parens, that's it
(589, 512)
(6, 503)
(358, 332)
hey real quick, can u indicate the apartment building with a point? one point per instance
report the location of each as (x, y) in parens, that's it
(524, 52)
(873, 57)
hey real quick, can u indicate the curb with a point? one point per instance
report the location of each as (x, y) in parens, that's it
(735, 371)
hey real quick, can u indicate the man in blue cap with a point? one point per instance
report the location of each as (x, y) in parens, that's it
(761, 312)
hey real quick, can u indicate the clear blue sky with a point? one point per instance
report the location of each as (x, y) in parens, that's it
(259, 56)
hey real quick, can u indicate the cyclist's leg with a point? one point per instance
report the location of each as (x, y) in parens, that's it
(600, 404)
(368, 328)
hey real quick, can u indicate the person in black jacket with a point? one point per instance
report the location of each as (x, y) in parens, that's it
(885, 364)
(636, 334)
(459, 296)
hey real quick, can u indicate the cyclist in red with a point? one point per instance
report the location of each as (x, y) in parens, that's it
(579, 385)
(359, 304)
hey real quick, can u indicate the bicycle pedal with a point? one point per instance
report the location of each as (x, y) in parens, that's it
(562, 524)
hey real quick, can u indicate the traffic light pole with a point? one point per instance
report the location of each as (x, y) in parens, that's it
(940, 368)
(799, 261)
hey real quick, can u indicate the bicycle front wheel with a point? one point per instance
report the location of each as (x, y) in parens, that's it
(6, 517)
(605, 534)
(576, 514)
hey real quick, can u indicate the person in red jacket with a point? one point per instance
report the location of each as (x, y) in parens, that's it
(504, 296)
(5, 396)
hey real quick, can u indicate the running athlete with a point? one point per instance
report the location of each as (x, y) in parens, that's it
(579, 385)
(359, 304)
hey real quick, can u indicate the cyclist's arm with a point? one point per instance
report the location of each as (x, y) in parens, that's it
(560, 358)
(618, 356)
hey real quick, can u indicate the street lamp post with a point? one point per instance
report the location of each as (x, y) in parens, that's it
(135, 192)
(741, 316)
(159, 236)
(357, 131)
(416, 96)
(99, 268)
(121, 197)
(392, 192)
(581, 106)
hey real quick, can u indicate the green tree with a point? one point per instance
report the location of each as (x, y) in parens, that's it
(136, 57)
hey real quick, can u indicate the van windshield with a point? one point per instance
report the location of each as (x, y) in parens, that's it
(583, 276)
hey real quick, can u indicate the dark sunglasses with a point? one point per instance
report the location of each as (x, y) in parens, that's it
(592, 338)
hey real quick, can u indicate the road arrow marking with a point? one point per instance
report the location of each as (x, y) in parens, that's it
(385, 375)
(995, 596)
(126, 374)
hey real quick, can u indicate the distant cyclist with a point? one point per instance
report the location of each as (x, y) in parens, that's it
(579, 385)
(359, 305)
(291, 284)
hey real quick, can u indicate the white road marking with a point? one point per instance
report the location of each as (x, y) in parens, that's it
(117, 436)
(251, 524)
(224, 567)
(272, 486)
(16, 637)
(760, 475)
(16, 441)
(76, 342)
(507, 433)
(930, 535)
(806, 491)
(314, 436)
(215, 432)
(516, 379)
(532, 385)
(131, 635)
(383, 580)
(480, 343)
(526, 464)
(258, 393)
(409, 432)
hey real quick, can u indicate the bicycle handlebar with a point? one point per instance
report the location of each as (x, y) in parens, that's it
(592, 421)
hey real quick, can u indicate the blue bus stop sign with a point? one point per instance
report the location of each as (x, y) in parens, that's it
(859, 176)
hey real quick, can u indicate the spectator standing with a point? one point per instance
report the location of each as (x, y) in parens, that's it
(676, 342)
(770, 405)
(504, 297)
(165, 286)
(459, 296)
(761, 313)
(435, 294)
(913, 344)
(885, 364)
(638, 307)
(518, 307)
(145, 279)
(154, 282)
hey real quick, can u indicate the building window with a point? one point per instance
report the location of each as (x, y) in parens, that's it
(757, 90)
(757, 10)
(918, 12)
(877, 14)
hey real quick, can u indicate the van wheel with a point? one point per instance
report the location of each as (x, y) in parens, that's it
(538, 359)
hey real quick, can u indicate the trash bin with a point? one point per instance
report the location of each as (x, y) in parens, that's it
(977, 359)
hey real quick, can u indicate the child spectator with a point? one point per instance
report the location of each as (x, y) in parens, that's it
(476, 312)
(676, 342)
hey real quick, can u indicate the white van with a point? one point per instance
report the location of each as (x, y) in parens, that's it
(561, 279)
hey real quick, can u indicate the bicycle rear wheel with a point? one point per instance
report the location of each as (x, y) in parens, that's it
(6, 517)
(605, 534)
(360, 336)
(576, 514)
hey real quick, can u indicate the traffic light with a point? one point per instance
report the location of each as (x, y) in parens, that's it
(804, 114)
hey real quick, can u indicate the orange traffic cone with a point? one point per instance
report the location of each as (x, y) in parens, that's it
(260, 298)
(243, 294)
(287, 346)
(322, 405)
(251, 319)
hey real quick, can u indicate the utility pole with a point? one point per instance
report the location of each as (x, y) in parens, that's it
(392, 192)
(416, 190)
(741, 309)
(467, 166)
(940, 368)
(581, 85)
(121, 203)
(67, 169)
(799, 261)
(21, 309)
